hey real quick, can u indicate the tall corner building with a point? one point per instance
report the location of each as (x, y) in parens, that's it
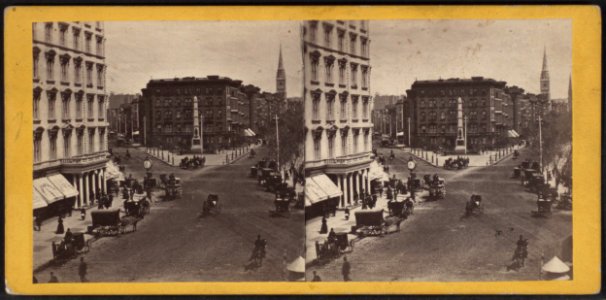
(338, 105)
(69, 115)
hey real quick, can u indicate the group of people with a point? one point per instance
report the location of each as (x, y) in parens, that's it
(458, 162)
(194, 162)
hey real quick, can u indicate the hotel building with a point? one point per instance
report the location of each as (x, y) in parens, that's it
(69, 107)
(338, 107)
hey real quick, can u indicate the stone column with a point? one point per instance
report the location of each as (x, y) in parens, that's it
(346, 189)
(341, 202)
(86, 189)
(75, 184)
(368, 180)
(104, 182)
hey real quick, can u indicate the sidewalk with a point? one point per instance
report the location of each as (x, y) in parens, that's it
(43, 252)
(475, 160)
(340, 224)
(222, 158)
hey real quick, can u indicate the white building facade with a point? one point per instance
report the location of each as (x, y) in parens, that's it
(338, 104)
(69, 109)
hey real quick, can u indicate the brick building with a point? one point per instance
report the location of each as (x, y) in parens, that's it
(486, 106)
(167, 111)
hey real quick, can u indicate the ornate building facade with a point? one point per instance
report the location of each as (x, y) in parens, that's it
(338, 108)
(69, 112)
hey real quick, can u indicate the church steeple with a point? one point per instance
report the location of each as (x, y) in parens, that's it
(545, 78)
(281, 78)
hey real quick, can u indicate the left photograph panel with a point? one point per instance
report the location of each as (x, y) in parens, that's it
(168, 151)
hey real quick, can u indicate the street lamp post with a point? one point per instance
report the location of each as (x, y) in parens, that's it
(465, 132)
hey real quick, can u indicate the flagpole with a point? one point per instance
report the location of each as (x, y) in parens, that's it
(201, 134)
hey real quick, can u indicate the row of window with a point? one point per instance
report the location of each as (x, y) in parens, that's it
(75, 36)
(220, 91)
(329, 31)
(471, 128)
(452, 103)
(67, 144)
(343, 145)
(329, 63)
(66, 105)
(65, 62)
(454, 92)
(344, 112)
(169, 102)
(186, 128)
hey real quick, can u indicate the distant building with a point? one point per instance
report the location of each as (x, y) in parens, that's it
(338, 108)
(167, 110)
(486, 105)
(69, 114)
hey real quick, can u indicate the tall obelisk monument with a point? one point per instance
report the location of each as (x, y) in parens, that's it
(460, 142)
(195, 140)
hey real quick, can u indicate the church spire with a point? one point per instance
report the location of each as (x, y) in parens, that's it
(281, 78)
(545, 78)
(545, 60)
(280, 63)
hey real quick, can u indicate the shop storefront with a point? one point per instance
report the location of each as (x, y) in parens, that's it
(53, 195)
(321, 196)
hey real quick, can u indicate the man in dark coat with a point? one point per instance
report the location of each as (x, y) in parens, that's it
(346, 269)
(82, 270)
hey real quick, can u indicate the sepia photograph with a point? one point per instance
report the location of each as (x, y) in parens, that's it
(167, 151)
(284, 150)
(450, 161)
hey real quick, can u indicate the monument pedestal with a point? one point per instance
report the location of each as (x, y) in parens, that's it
(460, 147)
(195, 145)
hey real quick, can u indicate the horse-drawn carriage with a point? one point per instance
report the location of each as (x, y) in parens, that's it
(138, 207)
(282, 207)
(109, 223)
(274, 183)
(211, 206)
(335, 245)
(456, 163)
(474, 206)
(172, 187)
(370, 222)
(402, 207)
(437, 189)
(543, 207)
(70, 247)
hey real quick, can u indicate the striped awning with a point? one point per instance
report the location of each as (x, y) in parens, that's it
(47, 189)
(39, 200)
(63, 185)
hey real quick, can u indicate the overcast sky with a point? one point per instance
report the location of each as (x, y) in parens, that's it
(509, 50)
(248, 51)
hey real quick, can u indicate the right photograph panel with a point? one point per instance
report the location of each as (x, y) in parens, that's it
(438, 150)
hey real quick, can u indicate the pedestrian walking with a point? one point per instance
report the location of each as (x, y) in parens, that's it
(345, 269)
(60, 228)
(82, 270)
(324, 228)
(316, 277)
(53, 278)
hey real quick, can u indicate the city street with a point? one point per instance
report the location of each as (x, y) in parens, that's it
(173, 244)
(437, 244)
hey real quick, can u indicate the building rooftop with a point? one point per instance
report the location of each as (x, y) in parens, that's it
(472, 80)
(190, 79)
